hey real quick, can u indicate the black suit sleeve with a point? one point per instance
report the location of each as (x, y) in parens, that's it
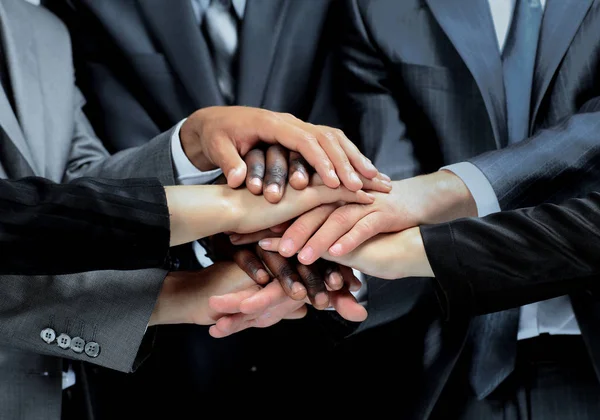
(516, 257)
(552, 166)
(89, 224)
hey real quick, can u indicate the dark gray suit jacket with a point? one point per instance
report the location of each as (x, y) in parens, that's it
(423, 87)
(152, 56)
(51, 134)
(143, 65)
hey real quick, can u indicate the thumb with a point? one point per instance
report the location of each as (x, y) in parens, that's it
(228, 158)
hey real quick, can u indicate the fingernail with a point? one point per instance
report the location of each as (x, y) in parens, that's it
(298, 176)
(306, 254)
(321, 300)
(335, 279)
(233, 173)
(384, 176)
(286, 246)
(272, 188)
(297, 289)
(262, 275)
(256, 182)
(335, 249)
(354, 178)
(264, 243)
(369, 165)
(332, 174)
(386, 183)
(371, 196)
(234, 238)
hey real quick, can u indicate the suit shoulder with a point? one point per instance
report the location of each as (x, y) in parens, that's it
(38, 15)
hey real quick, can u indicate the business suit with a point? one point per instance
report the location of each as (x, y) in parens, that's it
(88, 224)
(153, 57)
(51, 137)
(424, 86)
(504, 254)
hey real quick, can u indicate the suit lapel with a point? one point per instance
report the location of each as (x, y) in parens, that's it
(559, 26)
(19, 53)
(469, 26)
(179, 34)
(261, 29)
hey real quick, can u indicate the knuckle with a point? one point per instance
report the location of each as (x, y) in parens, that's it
(300, 229)
(277, 173)
(339, 133)
(285, 271)
(340, 217)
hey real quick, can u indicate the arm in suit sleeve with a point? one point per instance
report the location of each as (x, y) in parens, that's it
(89, 224)
(557, 163)
(516, 257)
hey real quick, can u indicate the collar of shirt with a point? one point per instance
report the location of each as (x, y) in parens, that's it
(200, 6)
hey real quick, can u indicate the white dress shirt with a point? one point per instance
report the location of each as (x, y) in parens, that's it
(553, 316)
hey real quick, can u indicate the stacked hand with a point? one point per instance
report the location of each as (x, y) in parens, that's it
(233, 139)
(381, 239)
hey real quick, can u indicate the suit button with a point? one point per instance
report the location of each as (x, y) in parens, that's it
(92, 349)
(63, 341)
(77, 344)
(48, 335)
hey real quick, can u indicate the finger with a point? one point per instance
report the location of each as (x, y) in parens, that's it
(333, 276)
(325, 195)
(231, 324)
(328, 139)
(287, 310)
(303, 228)
(227, 157)
(284, 270)
(338, 223)
(270, 244)
(363, 230)
(255, 161)
(271, 295)
(248, 261)
(276, 173)
(298, 136)
(231, 303)
(251, 238)
(346, 305)
(280, 228)
(350, 280)
(378, 184)
(360, 162)
(299, 171)
(313, 278)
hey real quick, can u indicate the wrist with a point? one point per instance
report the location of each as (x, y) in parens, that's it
(199, 211)
(166, 310)
(415, 262)
(450, 198)
(190, 138)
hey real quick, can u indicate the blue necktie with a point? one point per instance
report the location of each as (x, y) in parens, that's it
(495, 335)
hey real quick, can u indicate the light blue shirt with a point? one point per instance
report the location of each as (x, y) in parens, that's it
(553, 316)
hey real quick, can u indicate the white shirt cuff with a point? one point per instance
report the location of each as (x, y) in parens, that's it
(479, 186)
(185, 171)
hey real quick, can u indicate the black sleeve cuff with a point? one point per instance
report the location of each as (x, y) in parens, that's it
(453, 289)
